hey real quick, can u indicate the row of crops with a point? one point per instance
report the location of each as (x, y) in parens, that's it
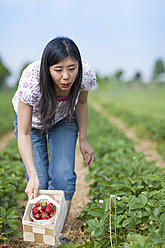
(127, 206)
(12, 186)
(140, 106)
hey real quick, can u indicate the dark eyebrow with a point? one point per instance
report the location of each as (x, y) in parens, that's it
(58, 66)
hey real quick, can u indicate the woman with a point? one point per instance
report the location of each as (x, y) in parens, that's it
(51, 105)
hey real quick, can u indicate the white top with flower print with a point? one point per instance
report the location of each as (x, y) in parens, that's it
(29, 91)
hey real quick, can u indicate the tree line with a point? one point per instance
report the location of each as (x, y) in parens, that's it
(158, 73)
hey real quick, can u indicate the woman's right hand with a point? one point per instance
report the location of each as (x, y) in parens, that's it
(32, 186)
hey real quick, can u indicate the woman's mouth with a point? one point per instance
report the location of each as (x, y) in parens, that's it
(65, 85)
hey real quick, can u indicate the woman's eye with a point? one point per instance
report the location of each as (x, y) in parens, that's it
(58, 70)
(71, 69)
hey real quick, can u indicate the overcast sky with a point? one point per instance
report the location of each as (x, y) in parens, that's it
(111, 34)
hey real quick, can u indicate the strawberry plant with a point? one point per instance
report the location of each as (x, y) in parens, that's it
(127, 192)
(12, 185)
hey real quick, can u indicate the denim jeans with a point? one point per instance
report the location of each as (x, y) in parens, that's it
(55, 172)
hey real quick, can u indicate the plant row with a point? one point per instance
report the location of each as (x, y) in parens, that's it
(141, 107)
(6, 111)
(12, 186)
(127, 206)
(146, 125)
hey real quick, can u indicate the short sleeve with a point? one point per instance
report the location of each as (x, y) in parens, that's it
(88, 77)
(28, 89)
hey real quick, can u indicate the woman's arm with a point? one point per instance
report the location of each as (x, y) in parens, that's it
(25, 146)
(82, 119)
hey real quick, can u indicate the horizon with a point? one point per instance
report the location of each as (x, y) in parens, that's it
(111, 34)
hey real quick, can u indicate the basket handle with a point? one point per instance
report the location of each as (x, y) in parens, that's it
(40, 197)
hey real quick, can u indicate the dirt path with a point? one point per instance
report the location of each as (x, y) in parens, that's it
(141, 145)
(5, 139)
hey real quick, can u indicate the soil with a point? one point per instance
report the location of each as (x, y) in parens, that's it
(74, 228)
(141, 145)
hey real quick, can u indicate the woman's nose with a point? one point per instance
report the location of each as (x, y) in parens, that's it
(65, 75)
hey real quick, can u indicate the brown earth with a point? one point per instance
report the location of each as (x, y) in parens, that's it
(74, 227)
(141, 145)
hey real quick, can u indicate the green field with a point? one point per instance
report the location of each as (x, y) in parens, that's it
(6, 111)
(140, 106)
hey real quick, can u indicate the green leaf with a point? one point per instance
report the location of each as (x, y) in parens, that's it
(2, 212)
(93, 223)
(127, 221)
(105, 205)
(18, 235)
(157, 211)
(162, 229)
(139, 239)
(135, 205)
(12, 223)
(12, 213)
(119, 219)
(139, 215)
(97, 212)
(143, 199)
(9, 188)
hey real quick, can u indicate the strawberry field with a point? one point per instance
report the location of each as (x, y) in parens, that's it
(140, 106)
(127, 192)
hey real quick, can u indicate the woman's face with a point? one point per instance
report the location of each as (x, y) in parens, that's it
(63, 75)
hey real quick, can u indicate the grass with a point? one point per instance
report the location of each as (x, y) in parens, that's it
(6, 111)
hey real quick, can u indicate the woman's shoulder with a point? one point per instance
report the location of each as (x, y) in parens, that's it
(88, 76)
(33, 69)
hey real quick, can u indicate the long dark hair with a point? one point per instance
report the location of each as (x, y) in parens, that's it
(55, 51)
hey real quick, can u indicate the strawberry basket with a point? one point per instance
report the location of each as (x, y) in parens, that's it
(45, 231)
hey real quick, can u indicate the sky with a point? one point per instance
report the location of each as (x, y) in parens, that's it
(111, 34)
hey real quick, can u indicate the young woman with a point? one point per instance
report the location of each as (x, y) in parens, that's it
(51, 106)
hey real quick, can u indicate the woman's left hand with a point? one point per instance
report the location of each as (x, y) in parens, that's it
(87, 153)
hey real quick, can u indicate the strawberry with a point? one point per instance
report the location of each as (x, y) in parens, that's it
(52, 214)
(37, 204)
(43, 215)
(53, 207)
(48, 210)
(35, 210)
(37, 216)
(43, 208)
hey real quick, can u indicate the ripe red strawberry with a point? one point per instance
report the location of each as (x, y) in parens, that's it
(4, 246)
(35, 210)
(37, 204)
(45, 218)
(48, 210)
(43, 208)
(37, 216)
(51, 214)
(53, 207)
(43, 215)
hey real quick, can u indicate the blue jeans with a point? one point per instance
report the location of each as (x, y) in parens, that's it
(56, 173)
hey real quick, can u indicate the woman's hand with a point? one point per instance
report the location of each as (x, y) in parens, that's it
(32, 186)
(87, 153)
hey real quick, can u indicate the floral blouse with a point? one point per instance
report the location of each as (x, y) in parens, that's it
(29, 91)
